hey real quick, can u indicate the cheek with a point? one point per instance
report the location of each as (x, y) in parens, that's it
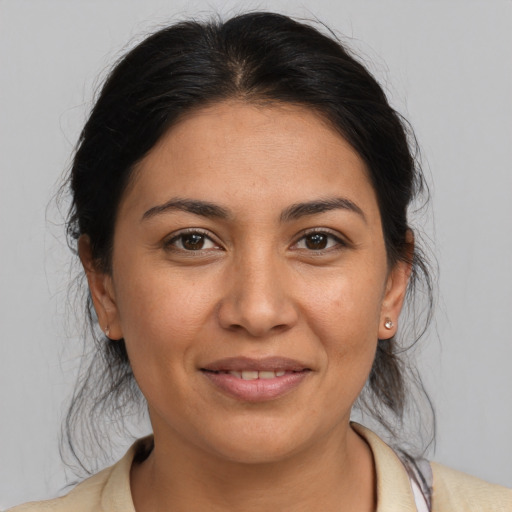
(345, 303)
(160, 316)
(344, 314)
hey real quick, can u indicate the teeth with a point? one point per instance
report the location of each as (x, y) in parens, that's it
(249, 375)
(252, 374)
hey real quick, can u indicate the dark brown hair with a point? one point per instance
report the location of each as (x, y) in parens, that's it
(255, 57)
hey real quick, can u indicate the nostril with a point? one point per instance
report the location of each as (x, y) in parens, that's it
(235, 327)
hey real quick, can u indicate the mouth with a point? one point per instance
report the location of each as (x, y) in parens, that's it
(252, 374)
(248, 364)
(256, 380)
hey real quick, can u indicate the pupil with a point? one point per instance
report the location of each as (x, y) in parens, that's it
(317, 241)
(193, 241)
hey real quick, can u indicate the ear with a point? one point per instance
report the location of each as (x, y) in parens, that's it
(394, 295)
(102, 291)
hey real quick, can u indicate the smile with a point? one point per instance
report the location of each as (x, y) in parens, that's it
(254, 380)
(253, 375)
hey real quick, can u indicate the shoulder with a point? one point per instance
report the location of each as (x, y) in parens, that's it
(85, 497)
(107, 490)
(455, 491)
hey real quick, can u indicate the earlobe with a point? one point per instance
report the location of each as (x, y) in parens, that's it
(396, 288)
(102, 291)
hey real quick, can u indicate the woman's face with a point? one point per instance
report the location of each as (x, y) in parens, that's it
(250, 281)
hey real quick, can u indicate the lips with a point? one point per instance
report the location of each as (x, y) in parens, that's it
(256, 380)
(254, 374)
(240, 364)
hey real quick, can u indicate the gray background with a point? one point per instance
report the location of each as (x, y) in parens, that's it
(447, 65)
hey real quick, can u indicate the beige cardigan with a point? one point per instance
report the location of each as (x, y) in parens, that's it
(109, 490)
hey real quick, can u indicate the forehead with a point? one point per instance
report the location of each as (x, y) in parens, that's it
(247, 154)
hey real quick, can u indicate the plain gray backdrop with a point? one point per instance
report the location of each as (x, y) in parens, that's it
(446, 65)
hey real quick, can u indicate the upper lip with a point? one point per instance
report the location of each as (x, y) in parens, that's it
(247, 363)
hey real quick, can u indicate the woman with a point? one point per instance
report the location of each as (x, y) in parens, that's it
(240, 197)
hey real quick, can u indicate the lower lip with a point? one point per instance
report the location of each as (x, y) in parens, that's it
(257, 390)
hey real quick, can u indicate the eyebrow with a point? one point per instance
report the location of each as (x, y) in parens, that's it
(197, 207)
(298, 210)
(293, 212)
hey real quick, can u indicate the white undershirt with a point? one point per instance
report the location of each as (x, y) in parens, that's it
(419, 499)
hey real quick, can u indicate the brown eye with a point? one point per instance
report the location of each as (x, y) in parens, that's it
(317, 241)
(192, 241)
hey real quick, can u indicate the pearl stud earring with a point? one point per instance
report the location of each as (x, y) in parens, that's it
(388, 324)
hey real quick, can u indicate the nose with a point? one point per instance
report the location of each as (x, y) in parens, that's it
(258, 298)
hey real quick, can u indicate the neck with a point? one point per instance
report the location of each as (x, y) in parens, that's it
(336, 474)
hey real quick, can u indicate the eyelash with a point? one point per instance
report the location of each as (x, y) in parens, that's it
(336, 243)
(170, 244)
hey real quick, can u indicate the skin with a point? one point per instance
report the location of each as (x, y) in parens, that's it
(258, 287)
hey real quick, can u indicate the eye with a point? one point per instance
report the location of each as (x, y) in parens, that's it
(318, 241)
(191, 241)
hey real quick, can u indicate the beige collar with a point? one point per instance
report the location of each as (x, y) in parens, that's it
(394, 493)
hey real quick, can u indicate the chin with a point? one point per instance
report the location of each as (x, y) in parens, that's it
(255, 452)
(259, 443)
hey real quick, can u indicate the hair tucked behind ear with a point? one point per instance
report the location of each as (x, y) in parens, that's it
(394, 396)
(257, 57)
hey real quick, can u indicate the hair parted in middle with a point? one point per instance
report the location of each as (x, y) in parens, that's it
(258, 57)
